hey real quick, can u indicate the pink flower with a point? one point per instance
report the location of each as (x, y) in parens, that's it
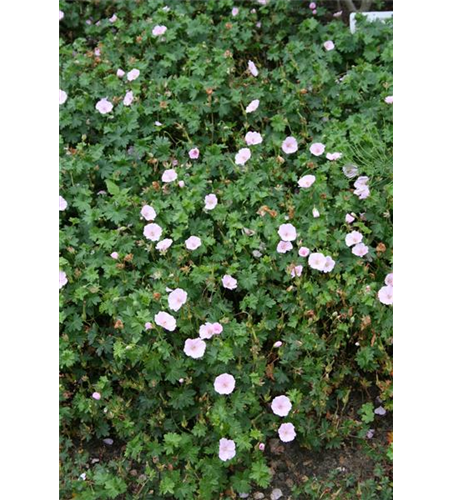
(193, 243)
(177, 298)
(385, 295)
(195, 348)
(229, 282)
(194, 153)
(63, 279)
(277, 344)
(152, 232)
(362, 192)
(252, 68)
(261, 446)
(289, 145)
(114, 255)
(252, 106)
(104, 106)
(317, 148)
(337, 14)
(317, 261)
(133, 74)
(281, 406)
(210, 202)
(148, 212)
(128, 98)
(164, 244)
(314, 11)
(235, 11)
(328, 45)
(61, 15)
(306, 181)
(113, 18)
(148, 326)
(217, 328)
(165, 320)
(227, 449)
(206, 331)
(296, 271)
(333, 156)
(360, 250)
(349, 218)
(284, 247)
(224, 383)
(253, 138)
(242, 156)
(287, 432)
(63, 204)
(315, 213)
(303, 252)
(361, 181)
(353, 238)
(63, 97)
(329, 264)
(389, 280)
(120, 73)
(312, 5)
(350, 171)
(96, 395)
(389, 99)
(159, 30)
(169, 175)
(287, 232)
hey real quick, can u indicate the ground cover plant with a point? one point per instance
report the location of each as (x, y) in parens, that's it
(225, 246)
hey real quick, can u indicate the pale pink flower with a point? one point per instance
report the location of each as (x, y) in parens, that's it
(287, 232)
(148, 213)
(63, 204)
(296, 271)
(262, 2)
(252, 106)
(317, 261)
(360, 250)
(317, 148)
(217, 328)
(281, 406)
(349, 218)
(120, 73)
(315, 213)
(195, 348)
(261, 446)
(159, 30)
(303, 252)
(389, 99)
(181, 184)
(97, 52)
(287, 432)
(328, 45)
(210, 202)
(177, 298)
(206, 331)
(337, 14)
(385, 295)
(284, 247)
(227, 449)
(158, 124)
(277, 344)
(235, 11)
(114, 255)
(133, 74)
(229, 282)
(113, 18)
(362, 192)
(61, 15)
(253, 138)
(152, 232)
(165, 320)
(104, 106)
(164, 244)
(194, 153)
(314, 11)
(306, 181)
(169, 175)
(353, 238)
(128, 99)
(333, 156)
(63, 97)
(96, 395)
(193, 243)
(242, 156)
(224, 383)
(252, 68)
(329, 264)
(63, 279)
(389, 280)
(350, 171)
(361, 181)
(312, 5)
(289, 145)
(148, 325)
